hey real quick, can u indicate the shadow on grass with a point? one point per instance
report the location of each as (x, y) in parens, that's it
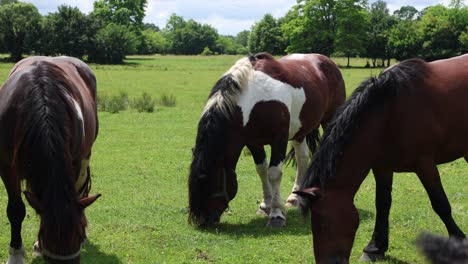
(89, 254)
(295, 225)
(394, 260)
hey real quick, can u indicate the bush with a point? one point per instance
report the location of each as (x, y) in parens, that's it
(112, 43)
(112, 104)
(167, 100)
(206, 52)
(143, 104)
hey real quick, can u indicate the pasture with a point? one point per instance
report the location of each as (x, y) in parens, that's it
(140, 165)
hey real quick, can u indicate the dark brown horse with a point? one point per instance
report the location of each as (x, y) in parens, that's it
(260, 101)
(410, 118)
(48, 124)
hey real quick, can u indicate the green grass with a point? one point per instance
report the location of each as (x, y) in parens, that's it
(140, 164)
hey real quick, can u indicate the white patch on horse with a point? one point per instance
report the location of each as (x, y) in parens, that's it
(241, 72)
(295, 56)
(78, 111)
(263, 88)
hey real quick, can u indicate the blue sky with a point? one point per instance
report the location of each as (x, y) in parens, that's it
(227, 16)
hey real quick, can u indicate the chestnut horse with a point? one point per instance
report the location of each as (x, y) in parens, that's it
(410, 118)
(260, 101)
(48, 124)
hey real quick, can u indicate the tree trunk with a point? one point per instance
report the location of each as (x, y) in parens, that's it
(347, 66)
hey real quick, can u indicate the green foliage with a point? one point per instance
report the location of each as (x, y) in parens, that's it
(464, 40)
(66, 32)
(404, 41)
(144, 103)
(167, 100)
(207, 52)
(440, 30)
(112, 43)
(152, 42)
(4, 2)
(266, 36)
(406, 13)
(351, 27)
(242, 38)
(20, 28)
(189, 37)
(112, 104)
(121, 12)
(228, 45)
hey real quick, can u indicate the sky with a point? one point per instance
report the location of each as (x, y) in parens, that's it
(228, 16)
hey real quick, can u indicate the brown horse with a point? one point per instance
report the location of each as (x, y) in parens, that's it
(260, 101)
(410, 118)
(48, 124)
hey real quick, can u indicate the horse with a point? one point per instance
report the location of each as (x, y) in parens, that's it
(410, 118)
(260, 101)
(48, 124)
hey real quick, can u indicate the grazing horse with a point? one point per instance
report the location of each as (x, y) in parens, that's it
(260, 101)
(48, 124)
(410, 118)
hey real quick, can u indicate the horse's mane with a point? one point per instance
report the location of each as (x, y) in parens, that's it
(372, 93)
(213, 129)
(43, 155)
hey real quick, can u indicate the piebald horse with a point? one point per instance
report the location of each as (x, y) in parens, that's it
(410, 118)
(260, 101)
(48, 124)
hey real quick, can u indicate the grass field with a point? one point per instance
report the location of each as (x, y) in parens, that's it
(140, 164)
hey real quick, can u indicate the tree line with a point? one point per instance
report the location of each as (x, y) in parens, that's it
(347, 28)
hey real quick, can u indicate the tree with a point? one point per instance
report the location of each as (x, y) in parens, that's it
(112, 43)
(121, 12)
(20, 25)
(189, 37)
(379, 23)
(5, 2)
(440, 31)
(404, 41)
(66, 32)
(350, 28)
(406, 13)
(266, 36)
(153, 42)
(242, 38)
(464, 40)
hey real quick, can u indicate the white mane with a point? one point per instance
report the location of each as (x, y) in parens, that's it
(240, 72)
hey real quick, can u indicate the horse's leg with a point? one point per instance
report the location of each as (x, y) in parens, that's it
(378, 245)
(277, 217)
(301, 151)
(16, 212)
(429, 176)
(261, 164)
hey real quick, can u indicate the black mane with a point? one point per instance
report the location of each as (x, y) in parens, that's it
(49, 140)
(210, 142)
(372, 93)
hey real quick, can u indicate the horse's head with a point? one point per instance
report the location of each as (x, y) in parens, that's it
(334, 223)
(210, 193)
(61, 232)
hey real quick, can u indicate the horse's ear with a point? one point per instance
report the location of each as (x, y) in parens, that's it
(34, 202)
(87, 201)
(312, 194)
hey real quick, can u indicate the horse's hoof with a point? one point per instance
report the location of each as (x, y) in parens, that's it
(37, 251)
(371, 257)
(276, 222)
(16, 256)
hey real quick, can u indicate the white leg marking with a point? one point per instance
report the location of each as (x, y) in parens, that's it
(263, 88)
(302, 159)
(16, 256)
(262, 170)
(274, 175)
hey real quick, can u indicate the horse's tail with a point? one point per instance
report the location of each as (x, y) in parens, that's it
(41, 156)
(312, 139)
(440, 249)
